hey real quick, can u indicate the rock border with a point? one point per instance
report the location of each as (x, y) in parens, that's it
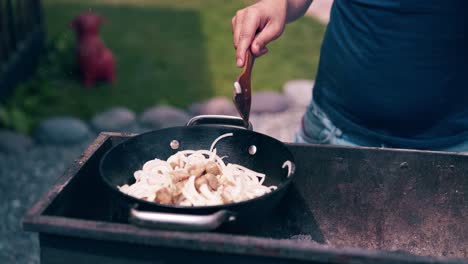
(273, 113)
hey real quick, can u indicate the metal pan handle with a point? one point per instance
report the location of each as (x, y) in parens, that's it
(222, 120)
(180, 222)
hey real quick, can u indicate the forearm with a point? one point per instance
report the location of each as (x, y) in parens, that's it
(296, 9)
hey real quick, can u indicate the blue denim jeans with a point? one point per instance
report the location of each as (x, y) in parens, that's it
(317, 128)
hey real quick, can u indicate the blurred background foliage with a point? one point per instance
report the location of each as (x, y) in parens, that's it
(170, 52)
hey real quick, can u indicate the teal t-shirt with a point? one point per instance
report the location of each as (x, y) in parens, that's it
(397, 71)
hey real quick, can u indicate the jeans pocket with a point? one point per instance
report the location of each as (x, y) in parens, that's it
(316, 126)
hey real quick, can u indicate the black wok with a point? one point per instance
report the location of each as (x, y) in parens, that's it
(119, 163)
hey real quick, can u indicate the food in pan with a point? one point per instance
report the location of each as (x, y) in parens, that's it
(196, 178)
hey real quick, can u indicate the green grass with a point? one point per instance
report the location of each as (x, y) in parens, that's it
(168, 52)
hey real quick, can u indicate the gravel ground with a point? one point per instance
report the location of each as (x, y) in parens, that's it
(24, 178)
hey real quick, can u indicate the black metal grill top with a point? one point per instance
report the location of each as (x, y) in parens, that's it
(347, 205)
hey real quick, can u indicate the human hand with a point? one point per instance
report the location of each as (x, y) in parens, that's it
(257, 25)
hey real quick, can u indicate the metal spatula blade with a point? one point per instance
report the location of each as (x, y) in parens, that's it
(242, 90)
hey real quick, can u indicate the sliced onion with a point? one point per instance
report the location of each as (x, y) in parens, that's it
(236, 183)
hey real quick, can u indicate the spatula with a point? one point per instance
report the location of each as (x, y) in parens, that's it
(242, 90)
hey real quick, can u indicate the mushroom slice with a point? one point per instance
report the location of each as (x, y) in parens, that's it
(179, 175)
(213, 168)
(163, 196)
(196, 170)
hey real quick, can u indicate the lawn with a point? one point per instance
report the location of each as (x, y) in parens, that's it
(168, 52)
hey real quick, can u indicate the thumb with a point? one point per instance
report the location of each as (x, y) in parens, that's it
(269, 33)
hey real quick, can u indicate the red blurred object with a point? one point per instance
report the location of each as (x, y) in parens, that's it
(95, 60)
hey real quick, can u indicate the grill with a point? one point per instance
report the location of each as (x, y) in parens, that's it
(347, 205)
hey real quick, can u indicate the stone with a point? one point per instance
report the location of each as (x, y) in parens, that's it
(163, 116)
(62, 130)
(12, 142)
(299, 92)
(282, 126)
(216, 106)
(269, 102)
(302, 237)
(118, 119)
(16, 203)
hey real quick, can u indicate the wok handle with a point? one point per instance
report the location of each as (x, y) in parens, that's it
(181, 222)
(223, 120)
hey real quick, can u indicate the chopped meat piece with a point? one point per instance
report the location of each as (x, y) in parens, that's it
(179, 175)
(196, 170)
(208, 179)
(213, 168)
(212, 181)
(176, 199)
(175, 161)
(163, 196)
(200, 181)
(179, 200)
(174, 164)
(226, 197)
(227, 182)
(178, 188)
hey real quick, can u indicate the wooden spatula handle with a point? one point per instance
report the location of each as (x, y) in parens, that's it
(249, 61)
(242, 91)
